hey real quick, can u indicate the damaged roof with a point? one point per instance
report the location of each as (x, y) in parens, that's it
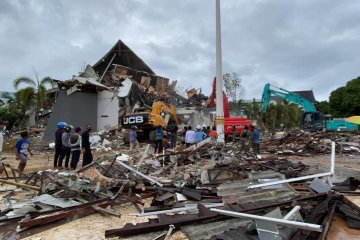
(124, 56)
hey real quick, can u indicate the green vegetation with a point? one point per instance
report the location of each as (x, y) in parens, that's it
(34, 94)
(345, 101)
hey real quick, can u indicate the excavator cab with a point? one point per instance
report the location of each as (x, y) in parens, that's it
(313, 121)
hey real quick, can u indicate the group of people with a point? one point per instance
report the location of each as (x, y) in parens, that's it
(161, 137)
(248, 135)
(72, 144)
(191, 137)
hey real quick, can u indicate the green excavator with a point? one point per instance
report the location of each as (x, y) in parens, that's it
(311, 119)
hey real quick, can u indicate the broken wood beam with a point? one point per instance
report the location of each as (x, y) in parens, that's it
(22, 185)
(45, 219)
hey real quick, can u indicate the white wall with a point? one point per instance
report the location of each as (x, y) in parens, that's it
(108, 110)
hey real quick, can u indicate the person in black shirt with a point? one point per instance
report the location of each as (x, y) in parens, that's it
(173, 129)
(87, 155)
(58, 142)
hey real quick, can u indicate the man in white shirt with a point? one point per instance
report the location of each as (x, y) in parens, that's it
(1, 145)
(189, 137)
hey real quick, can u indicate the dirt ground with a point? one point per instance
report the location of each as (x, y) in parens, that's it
(94, 226)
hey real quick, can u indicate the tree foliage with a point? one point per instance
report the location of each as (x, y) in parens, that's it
(282, 115)
(324, 107)
(35, 92)
(11, 114)
(345, 101)
(232, 84)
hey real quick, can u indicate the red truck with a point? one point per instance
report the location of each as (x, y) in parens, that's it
(229, 122)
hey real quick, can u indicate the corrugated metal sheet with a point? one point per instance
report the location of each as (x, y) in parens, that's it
(237, 190)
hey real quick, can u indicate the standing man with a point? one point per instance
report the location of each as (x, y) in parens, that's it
(204, 129)
(58, 142)
(75, 144)
(66, 148)
(199, 134)
(189, 137)
(245, 139)
(212, 133)
(1, 145)
(133, 138)
(87, 155)
(255, 137)
(173, 134)
(159, 133)
(234, 134)
(22, 148)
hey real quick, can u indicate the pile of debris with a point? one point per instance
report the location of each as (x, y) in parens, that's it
(302, 143)
(192, 189)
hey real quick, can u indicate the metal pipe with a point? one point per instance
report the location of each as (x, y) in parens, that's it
(174, 210)
(327, 174)
(139, 173)
(332, 167)
(290, 180)
(219, 91)
(292, 212)
(300, 225)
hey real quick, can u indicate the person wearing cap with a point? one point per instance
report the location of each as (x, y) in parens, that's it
(87, 155)
(159, 134)
(199, 134)
(189, 137)
(133, 138)
(75, 144)
(1, 145)
(58, 142)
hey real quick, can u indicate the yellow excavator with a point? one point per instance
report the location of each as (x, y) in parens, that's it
(146, 119)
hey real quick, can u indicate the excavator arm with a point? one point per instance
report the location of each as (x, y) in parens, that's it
(225, 100)
(286, 95)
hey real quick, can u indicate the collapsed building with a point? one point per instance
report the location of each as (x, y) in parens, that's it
(119, 82)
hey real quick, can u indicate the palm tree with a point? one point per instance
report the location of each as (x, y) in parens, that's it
(35, 93)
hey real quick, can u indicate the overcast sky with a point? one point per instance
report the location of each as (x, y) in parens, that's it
(297, 45)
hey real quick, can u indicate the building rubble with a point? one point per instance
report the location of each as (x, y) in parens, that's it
(206, 186)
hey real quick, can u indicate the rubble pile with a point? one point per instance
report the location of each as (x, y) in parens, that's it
(204, 184)
(298, 142)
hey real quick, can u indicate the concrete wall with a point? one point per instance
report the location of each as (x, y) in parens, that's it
(77, 109)
(108, 110)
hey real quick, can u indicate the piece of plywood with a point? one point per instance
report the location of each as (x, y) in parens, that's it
(339, 230)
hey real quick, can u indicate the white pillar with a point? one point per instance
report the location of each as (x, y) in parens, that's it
(219, 89)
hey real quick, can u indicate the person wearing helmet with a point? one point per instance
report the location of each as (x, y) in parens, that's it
(199, 134)
(58, 142)
(159, 134)
(66, 148)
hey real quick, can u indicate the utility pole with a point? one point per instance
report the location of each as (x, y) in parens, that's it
(219, 87)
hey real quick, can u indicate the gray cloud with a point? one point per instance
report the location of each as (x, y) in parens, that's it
(297, 45)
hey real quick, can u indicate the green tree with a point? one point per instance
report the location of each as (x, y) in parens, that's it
(232, 84)
(345, 101)
(34, 93)
(323, 107)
